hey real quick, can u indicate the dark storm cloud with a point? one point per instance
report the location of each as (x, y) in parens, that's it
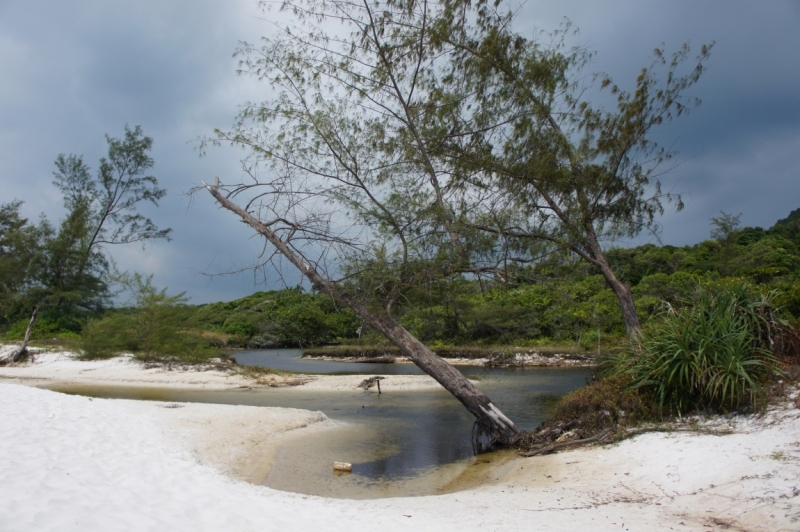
(75, 71)
(739, 150)
(72, 71)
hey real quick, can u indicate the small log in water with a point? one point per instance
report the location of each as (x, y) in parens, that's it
(342, 466)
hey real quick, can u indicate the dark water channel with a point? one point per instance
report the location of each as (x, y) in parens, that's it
(400, 443)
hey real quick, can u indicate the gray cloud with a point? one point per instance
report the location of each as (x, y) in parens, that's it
(738, 151)
(72, 71)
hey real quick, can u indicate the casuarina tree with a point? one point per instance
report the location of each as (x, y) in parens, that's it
(375, 170)
(523, 129)
(343, 178)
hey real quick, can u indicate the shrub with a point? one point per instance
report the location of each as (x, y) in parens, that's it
(605, 403)
(46, 327)
(105, 337)
(713, 352)
(153, 330)
(239, 325)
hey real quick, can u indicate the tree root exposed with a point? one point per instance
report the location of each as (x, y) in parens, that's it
(549, 440)
(569, 443)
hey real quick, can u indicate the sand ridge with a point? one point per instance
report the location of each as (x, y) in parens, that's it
(55, 367)
(240, 441)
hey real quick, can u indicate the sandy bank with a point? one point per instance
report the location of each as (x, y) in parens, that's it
(459, 356)
(61, 367)
(71, 463)
(240, 441)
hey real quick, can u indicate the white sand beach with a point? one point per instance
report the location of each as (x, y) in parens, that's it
(58, 367)
(75, 463)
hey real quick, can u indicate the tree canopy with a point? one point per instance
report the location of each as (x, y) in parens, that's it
(63, 268)
(424, 141)
(524, 127)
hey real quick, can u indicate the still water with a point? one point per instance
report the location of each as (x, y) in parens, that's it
(400, 443)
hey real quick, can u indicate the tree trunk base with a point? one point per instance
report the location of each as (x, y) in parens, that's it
(18, 353)
(487, 438)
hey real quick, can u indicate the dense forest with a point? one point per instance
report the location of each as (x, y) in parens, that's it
(559, 301)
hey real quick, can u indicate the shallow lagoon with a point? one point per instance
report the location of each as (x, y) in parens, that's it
(400, 443)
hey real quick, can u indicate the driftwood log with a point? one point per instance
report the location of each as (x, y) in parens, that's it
(23, 348)
(370, 382)
(560, 445)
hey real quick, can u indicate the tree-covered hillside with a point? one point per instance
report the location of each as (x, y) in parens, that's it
(277, 318)
(563, 299)
(559, 301)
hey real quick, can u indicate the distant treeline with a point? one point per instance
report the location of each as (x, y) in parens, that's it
(557, 301)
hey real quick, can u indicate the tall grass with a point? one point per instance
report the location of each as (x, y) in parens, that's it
(712, 352)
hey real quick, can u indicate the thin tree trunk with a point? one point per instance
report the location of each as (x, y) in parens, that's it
(623, 292)
(491, 425)
(625, 297)
(22, 349)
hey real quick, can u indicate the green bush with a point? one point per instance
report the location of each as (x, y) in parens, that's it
(277, 318)
(239, 325)
(603, 404)
(45, 327)
(713, 352)
(108, 336)
(153, 330)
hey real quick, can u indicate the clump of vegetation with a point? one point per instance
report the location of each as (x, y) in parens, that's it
(605, 404)
(592, 413)
(154, 329)
(279, 318)
(713, 352)
(46, 328)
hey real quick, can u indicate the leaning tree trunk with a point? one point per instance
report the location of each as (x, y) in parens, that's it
(492, 426)
(22, 349)
(625, 297)
(623, 292)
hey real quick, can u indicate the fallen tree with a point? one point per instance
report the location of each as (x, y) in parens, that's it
(345, 179)
(492, 426)
(20, 351)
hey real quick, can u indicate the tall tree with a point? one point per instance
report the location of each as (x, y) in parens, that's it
(111, 199)
(102, 211)
(20, 258)
(63, 271)
(343, 178)
(564, 169)
(723, 230)
(425, 140)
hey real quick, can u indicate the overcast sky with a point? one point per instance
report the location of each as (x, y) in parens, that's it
(74, 70)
